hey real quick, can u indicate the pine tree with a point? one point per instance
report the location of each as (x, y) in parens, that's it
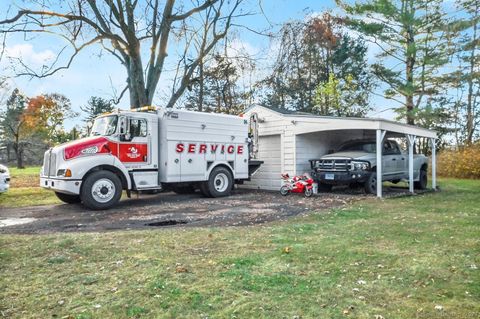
(95, 107)
(412, 38)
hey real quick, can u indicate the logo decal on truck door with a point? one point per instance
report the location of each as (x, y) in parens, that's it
(133, 153)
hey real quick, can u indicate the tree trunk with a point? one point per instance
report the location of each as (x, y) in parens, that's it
(470, 107)
(201, 82)
(20, 158)
(410, 57)
(409, 90)
(17, 148)
(136, 83)
(8, 152)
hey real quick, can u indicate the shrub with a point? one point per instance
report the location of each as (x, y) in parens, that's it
(461, 163)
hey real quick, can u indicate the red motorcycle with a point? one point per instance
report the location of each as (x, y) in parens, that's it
(297, 184)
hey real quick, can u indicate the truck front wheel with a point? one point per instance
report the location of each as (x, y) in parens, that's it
(68, 198)
(220, 182)
(371, 184)
(101, 190)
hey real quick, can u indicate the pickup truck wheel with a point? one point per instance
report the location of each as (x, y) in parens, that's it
(101, 190)
(422, 183)
(68, 198)
(371, 184)
(220, 182)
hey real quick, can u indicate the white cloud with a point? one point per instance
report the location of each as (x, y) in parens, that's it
(29, 55)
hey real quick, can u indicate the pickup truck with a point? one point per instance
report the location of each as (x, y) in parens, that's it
(355, 163)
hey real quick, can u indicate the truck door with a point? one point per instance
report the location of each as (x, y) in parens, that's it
(134, 150)
(401, 160)
(389, 159)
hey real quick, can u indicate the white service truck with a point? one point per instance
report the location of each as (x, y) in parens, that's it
(152, 149)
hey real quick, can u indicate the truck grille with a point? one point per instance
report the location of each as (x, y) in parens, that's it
(333, 165)
(49, 164)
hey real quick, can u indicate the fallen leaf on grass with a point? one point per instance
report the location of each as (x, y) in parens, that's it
(181, 269)
(287, 250)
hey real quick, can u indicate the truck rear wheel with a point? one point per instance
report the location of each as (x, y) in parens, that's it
(220, 182)
(101, 190)
(68, 198)
(423, 180)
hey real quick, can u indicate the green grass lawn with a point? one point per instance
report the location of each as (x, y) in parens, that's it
(30, 170)
(412, 257)
(25, 190)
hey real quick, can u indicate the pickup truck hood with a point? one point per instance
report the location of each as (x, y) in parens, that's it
(355, 155)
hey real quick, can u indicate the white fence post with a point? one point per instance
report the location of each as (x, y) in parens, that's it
(411, 143)
(380, 137)
(434, 163)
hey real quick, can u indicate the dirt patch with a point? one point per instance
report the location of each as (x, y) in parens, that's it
(243, 207)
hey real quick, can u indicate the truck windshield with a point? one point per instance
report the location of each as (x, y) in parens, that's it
(369, 147)
(104, 126)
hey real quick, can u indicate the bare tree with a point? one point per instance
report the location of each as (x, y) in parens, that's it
(124, 28)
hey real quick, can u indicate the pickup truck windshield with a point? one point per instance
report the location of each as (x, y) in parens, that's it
(369, 147)
(104, 126)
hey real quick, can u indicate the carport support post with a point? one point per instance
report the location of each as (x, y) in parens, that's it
(380, 136)
(411, 143)
(434, 163)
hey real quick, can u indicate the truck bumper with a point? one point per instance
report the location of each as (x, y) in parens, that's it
(66, 186)
(341, 178)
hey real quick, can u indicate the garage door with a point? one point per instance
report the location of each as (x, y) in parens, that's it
(268, 176)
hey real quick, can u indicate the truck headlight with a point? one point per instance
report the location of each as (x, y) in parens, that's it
(360, 166)
(64, 173)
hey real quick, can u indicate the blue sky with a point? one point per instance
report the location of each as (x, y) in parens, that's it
(102, 75)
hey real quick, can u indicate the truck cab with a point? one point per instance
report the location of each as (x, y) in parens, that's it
(149, 150)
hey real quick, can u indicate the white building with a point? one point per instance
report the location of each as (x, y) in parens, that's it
(287, 141)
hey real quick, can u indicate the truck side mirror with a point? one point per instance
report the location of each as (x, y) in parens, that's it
(123, 132)
(125, 137)
(122, 125)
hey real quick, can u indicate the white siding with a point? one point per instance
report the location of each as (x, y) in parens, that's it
(269, 174)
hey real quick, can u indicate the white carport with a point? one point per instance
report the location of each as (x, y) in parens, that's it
(286, 141)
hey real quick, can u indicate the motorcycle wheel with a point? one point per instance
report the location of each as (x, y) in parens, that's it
(284, 190)
(308, 192)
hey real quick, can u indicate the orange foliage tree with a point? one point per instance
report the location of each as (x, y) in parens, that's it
(45, 115)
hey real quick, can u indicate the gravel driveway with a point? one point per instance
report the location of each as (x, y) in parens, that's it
(243, 207)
